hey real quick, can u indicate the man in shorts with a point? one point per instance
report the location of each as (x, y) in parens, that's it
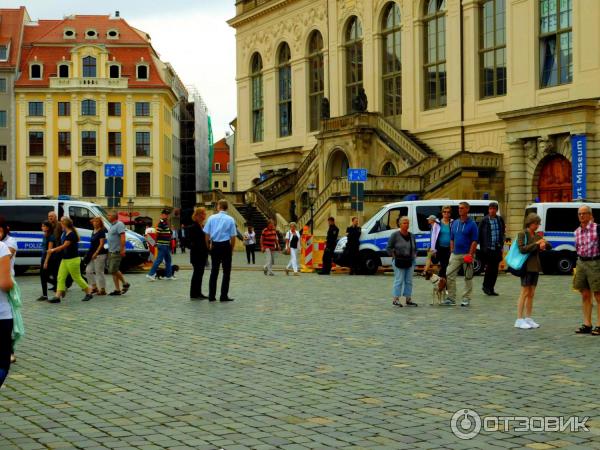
(116, 252)
(587, 274)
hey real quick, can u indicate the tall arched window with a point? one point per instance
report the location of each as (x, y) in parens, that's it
(392, 66)
(257, 98)
(389, 169)
(88, 183)
(435, 54)
(492, 48)
(354, 60)
(316, 84)
(89, 67)
(285, 90)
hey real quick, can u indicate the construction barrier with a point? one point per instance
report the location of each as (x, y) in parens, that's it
(311, 256)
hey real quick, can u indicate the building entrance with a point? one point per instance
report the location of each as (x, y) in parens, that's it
(555, 181)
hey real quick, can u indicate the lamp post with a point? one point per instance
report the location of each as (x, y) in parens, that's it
(312, 194)
(130, 211)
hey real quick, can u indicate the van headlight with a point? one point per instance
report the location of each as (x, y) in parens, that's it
(339, 248)
(136, 244)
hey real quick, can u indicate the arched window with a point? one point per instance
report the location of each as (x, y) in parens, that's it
(63, 71)
(389, 169)
(89, 67)
(88, 183)
(257, 98)
(88, 108)
(316, 84)
(285, 90)
(114, 71)
(492, 48)
(435, 54)
(354, 60)
(392, 66)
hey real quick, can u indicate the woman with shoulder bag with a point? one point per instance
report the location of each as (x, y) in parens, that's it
(530, 243)
(403, 248)
(292, 239)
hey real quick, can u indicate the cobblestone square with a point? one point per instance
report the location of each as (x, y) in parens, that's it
(305, 362)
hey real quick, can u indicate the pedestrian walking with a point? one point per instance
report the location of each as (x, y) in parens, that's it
(116, 252)
(330, 244)
(164, 246)
(532, 244)
(352, 250)
(587, 273)
(71, 262)
(56, 258)
(174, 242)
(11, 243)
(250, 244)
(48, 242)
(402, 247)
(292, 241)
(269, 243)
(182, 239)
(463, 244)
(6, 316)
(196, 239)
(491, 243)
(220, 234)
(95, 259)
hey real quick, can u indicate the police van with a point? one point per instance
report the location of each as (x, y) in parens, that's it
(377, 230)
(559, 222)
(25, 217)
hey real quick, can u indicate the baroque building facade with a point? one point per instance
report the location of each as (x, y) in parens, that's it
(466, 99)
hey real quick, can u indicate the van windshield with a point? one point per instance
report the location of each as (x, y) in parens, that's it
(100, 211)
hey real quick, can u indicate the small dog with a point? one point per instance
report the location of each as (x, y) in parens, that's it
(161, 271)
(439, 287)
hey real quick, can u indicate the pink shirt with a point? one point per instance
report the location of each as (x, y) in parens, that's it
(586, 241)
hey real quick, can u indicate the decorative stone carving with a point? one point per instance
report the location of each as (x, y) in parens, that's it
(545, 145)
(325, 110)
(531, 149)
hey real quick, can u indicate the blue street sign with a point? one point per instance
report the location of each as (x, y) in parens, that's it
(357, 175)
(113, 170)
(579, 159)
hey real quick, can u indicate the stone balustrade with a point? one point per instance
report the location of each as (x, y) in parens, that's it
(88, 83)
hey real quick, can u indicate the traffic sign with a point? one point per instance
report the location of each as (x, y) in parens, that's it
(357, 175)
(113, 170)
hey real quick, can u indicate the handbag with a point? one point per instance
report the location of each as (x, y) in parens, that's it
(403, 261)
(515, 260)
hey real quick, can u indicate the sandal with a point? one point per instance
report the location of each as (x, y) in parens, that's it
(113, 293)
(584, 329)
(411, 303)
(396, 302)
(126, 287)
(596, 331)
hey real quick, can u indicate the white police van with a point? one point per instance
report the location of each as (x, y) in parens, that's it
(377, 230)
(559, 222)
(25, 217)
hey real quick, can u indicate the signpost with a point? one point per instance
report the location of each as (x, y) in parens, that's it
(579, 165)
(114, 184)
(357, 179)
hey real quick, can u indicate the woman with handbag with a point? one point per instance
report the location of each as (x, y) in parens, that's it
(403, 248)
(292, 239)
(530, 243)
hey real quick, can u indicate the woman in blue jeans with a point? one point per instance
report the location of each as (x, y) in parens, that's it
(403, 248)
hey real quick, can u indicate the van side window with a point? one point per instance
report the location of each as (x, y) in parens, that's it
(81, 217)
(423, 212)
(388, 220)
(477, 212)
(25, 218)
(561, 219)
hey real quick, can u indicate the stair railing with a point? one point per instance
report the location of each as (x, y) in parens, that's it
(402, 140)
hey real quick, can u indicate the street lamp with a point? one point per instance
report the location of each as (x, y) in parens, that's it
(312, 195)
(130, 211)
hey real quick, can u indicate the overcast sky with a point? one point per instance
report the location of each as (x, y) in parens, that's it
(190, 34)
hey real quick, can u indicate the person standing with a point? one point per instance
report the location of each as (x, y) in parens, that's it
(530, 243)
(491, 242)
(116, 252)
(220, 234)
(48, 242)
(198, 252)
(6, 317)
(587, 274)
(269, 243)
(330, 244)
(71, 263)
(95, 258)
(442, 243)
(250, 244)
(353, 246)
(403, 248)
(292, 241)
(434, 231)
(11, 243)
(182, 238)
(55, 259)
(164, 246)
(463, 244)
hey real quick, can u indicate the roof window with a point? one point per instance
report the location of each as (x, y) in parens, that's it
(112, 34)
(91, 34)
(69, 33)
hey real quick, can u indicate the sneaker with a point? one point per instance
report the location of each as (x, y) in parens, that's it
(87, 298)
(287, 271)
(265, 270)
(584, 329)
(57, 300)
(272, 274)
(465, 302)
(296, 274)
(170, 278)
(151, 277)
(531, 322)
(522, 324)
(449, 302)
(42, 298)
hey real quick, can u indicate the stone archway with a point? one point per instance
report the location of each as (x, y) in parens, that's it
(338, 165)
(555, 179)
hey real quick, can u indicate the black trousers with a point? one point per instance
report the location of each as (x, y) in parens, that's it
(443, 256)
(6, 327)
(490, 260)
(327, 258)
(45, 277)
(250, 253)
(220, 255)
(199, 265)
(354, 256)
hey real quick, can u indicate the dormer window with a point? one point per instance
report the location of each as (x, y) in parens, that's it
(114, 71)
(3, 52)
(91, 34)
(142, 72)
(63, 71)
(35, 72)
(69, 33)
(112, 34)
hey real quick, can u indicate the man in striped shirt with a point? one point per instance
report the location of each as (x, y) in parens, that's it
(163, 245)
(587, 274)
(269, 243)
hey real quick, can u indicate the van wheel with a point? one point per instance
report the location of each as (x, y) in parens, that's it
(564, 263)
(370, 262)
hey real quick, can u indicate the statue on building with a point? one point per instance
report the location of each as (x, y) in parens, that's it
(293, 216)
(360, 101)
(545, 145)
(325, 111)
(531, 149)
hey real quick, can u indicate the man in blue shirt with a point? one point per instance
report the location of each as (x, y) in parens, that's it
(220, 234)
(463, 243)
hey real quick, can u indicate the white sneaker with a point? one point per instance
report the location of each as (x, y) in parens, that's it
(522, 324)
(170, 278)
(151, 277)
(531, 322)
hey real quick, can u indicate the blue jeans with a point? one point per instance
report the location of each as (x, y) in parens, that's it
(403, 281)
(164, 254)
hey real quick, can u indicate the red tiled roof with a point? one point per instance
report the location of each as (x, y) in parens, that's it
(11, 27)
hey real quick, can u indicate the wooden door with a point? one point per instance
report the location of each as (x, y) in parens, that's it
(555, 183)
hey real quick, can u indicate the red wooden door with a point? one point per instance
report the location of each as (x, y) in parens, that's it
(555, 184)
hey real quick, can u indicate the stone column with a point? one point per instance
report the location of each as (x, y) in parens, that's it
(516, 186)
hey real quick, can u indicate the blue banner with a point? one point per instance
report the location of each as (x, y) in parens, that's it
(579, 165)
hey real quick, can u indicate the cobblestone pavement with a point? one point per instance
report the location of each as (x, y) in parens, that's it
(294, 363)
